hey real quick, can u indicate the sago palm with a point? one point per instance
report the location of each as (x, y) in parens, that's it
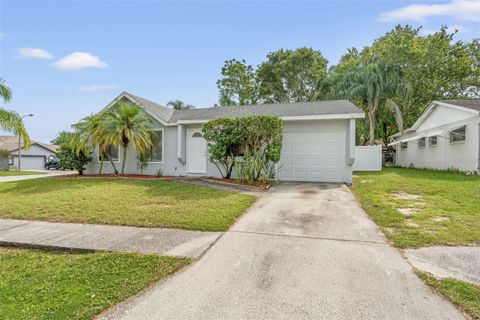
(376, 85)
(127, 125)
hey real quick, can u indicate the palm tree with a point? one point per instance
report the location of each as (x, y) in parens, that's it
(377, 85)
(125, 125)
(10, 120)
(89, 136)
(179, 105)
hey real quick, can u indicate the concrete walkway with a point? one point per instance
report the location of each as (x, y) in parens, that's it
(304, 251)
(48, 174)
(462, 263)
(172, 242)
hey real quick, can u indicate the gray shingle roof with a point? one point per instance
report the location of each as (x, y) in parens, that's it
(318, 108)
(10, 143)
(159, 110)
(466, 103)
(330, 107)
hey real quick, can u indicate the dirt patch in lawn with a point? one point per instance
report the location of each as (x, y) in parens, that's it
(401, 195)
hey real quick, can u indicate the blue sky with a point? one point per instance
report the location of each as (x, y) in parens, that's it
(67, 59)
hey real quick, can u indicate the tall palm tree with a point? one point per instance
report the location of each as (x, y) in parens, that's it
(127, 125)
(10, 120)
(377, 85)
(89, 137)
(179, 105)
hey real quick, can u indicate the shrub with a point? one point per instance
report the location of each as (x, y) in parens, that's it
(257, 138)
(4, 160)
(142, 160)
(68, 156)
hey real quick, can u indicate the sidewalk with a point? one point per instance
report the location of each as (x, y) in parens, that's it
(172, 242)
(37, 176)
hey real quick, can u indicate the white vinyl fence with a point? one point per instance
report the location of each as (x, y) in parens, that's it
(368, 158)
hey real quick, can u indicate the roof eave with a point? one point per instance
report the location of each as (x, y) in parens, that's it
(294, 118)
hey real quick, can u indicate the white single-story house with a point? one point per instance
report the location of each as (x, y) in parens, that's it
(32, 159)
(446, 136)
(318, 139)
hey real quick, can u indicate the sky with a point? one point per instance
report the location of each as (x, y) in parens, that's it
(67, 59)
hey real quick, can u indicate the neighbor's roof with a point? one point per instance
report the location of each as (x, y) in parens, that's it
(329, 108)
(10, 143)
(466, 103)
(473, 104)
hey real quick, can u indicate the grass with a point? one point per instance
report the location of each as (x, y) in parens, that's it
(448, 206)
(19, 173)
(465, 295)
(144, 203)
(36, 284)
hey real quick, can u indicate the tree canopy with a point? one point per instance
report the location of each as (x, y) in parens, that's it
(435, 66)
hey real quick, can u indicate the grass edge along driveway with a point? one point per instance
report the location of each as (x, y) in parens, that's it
(117, 201)
(441, 208)
(36, 284)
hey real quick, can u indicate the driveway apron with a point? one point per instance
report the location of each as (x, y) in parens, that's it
(303, 251)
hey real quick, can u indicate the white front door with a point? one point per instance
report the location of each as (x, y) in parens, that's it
(196, 152)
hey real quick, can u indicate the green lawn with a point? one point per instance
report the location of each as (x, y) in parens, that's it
(146, 203)
(19, 173)
(464, 294)
(447, 205)
(36, 284)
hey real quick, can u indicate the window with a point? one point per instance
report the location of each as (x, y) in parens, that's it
(458, 135)
(432, 141)
(113, 151)
(197, 135)
(156, 154)
(10, 160)
(421, 142)
(403, 145)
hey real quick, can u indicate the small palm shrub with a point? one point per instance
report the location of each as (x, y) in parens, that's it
(4, 157)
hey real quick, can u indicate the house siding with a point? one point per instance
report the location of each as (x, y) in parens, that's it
(33, 158)
(462, 156)
(173, 165)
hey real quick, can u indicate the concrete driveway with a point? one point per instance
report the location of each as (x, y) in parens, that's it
(303, 251)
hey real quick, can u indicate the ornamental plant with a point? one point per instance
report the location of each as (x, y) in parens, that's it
(251, 145)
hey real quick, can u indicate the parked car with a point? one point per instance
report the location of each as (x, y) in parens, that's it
(53, 163)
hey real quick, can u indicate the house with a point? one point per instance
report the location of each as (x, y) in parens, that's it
(446, 136)
(318, 139)
(32, 159)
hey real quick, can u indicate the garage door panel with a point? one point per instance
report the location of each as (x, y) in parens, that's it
(311, 153)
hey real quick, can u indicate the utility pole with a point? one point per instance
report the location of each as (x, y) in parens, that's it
(19, 165)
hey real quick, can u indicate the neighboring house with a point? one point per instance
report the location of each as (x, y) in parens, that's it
(33, 158)
(446, 136)
(318, 139)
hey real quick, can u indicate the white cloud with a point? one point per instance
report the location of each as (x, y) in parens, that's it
(33, 53)
(459, 9)
(450, 29)
(80, 60)
(97, 87)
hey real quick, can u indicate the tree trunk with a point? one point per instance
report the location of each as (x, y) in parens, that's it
(124, 158)
(111, 162)
(371, 119)
(101, 164)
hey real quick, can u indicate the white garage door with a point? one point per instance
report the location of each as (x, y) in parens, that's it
(313, 153)
(31, 163)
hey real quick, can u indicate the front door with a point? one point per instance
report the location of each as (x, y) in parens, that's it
(196, 152)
